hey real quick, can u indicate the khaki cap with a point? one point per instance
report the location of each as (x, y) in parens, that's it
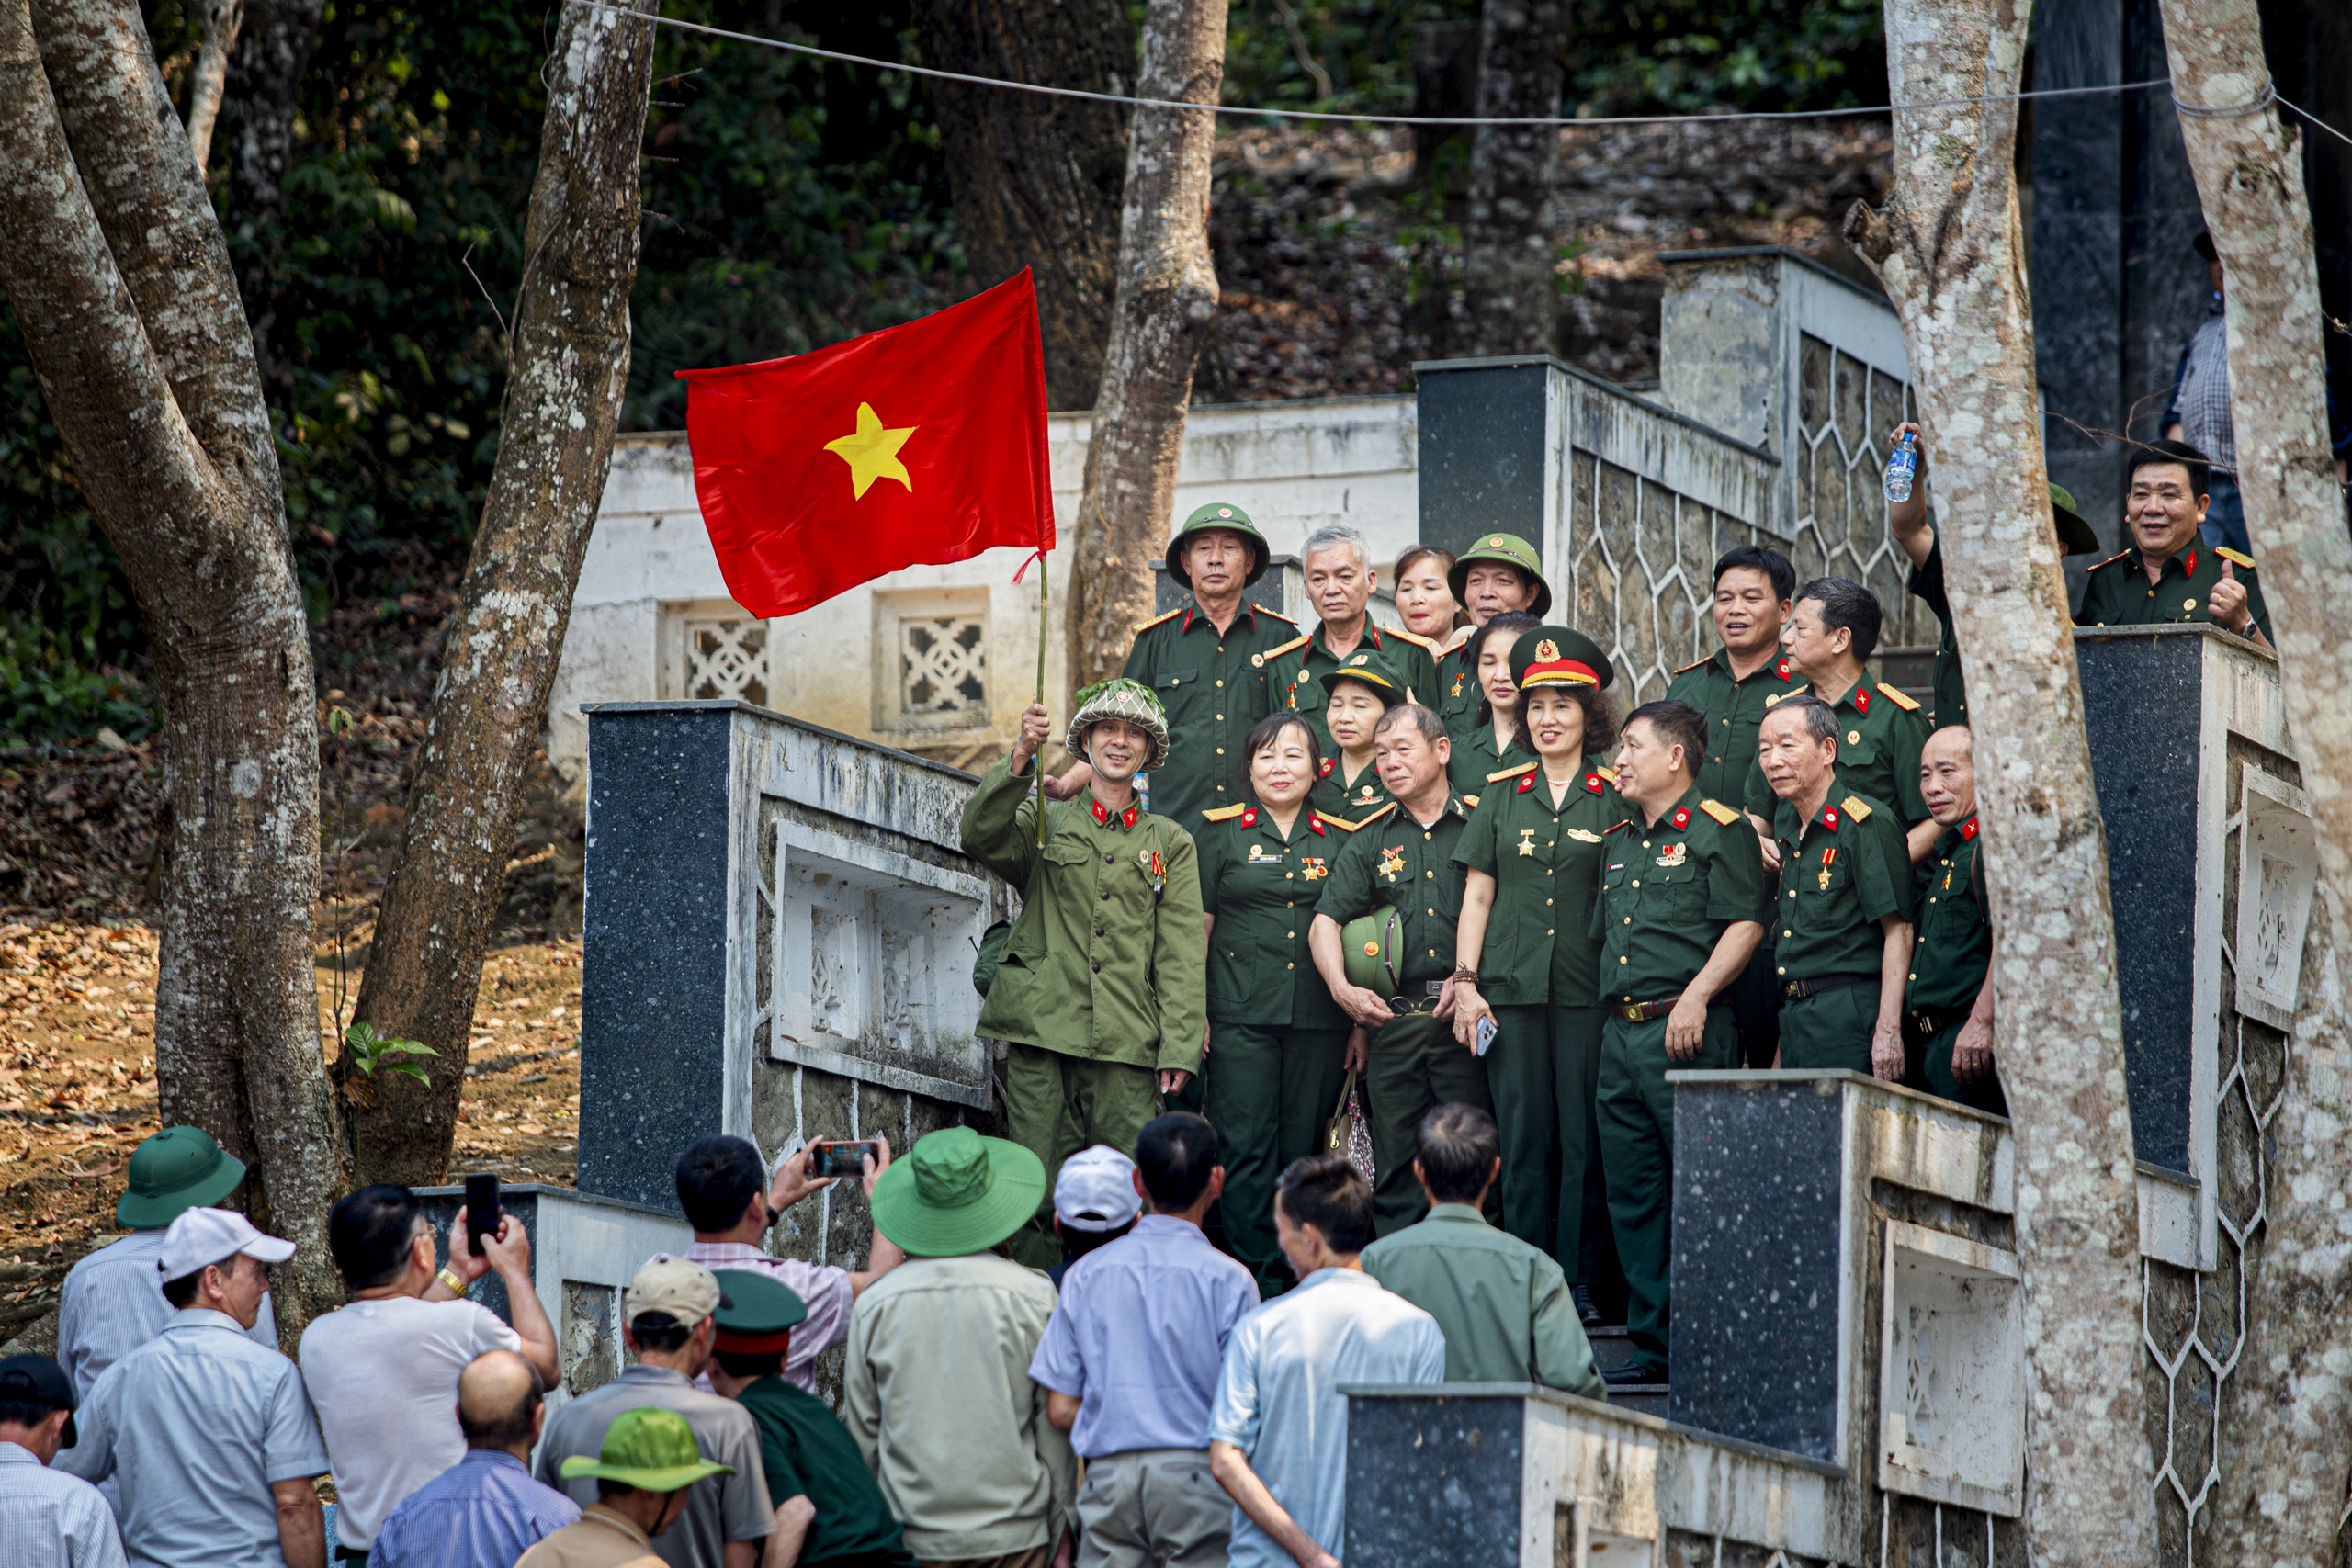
(686, 1291)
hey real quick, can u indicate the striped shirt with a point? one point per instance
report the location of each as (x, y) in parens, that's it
(823, 1289)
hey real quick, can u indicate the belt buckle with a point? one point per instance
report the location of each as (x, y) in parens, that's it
(1433, 988)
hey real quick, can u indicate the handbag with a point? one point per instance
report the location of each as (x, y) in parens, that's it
(1345, 1133)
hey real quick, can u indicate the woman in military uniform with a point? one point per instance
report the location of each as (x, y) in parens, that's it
(1347, 787)
(1493, 740)
(1278, 1040)
(1526, 955)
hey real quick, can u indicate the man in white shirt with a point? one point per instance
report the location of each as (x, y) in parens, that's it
(47, 1518)
(1278, 1437)
(382, 1373)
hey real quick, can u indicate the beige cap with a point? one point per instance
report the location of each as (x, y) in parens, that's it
(686, 1291)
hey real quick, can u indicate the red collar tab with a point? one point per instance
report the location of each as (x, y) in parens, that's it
(1126, 818)
(1782, 669)
(1250, 817)
(1324, 771)
(1681, 818)
(1188, 621)
(1595, 783)
(1861, 698)
(2189, 562)
(1829, 818)
(1968, 830)
(1527, 781)
(1314, 825)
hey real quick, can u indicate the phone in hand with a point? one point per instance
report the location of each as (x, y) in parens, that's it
(483, 1212)
(1484, 1034)
(843, 1158)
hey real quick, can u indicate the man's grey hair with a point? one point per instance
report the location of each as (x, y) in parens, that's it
(1431, 728)
(1820, 718)
(1334, 537)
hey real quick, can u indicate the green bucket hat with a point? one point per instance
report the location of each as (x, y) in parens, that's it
(648, 1448)
(2076, 536)
(177, 1169)
(957, 1192)
(1510, 550)
(1370, 667)
(1558, 656)
(1368, 947)
(1129, 700)
(1219, 515)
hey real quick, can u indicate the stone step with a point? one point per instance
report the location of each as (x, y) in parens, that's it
(1649, 1398)
(1610, 1348)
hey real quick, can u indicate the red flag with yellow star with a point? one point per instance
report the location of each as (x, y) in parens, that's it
(914, 445)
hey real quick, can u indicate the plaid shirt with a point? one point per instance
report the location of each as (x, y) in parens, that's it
(2201, 397)
(824, 1289)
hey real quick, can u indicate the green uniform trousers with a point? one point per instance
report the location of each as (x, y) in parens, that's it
(1270, 1091)
(1636, 1107)
(1056, 1105)
(1935, 1065)
(1416, 1067)
(1829, 1029)
(1544, 1070)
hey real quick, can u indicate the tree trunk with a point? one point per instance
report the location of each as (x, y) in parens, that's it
(257, 115)
(2287, 1440)
(1510, 298)
(1037, 179)
(1167, 296)
(120, 283)
(569, 365)
(1948, 249)
(222, 20)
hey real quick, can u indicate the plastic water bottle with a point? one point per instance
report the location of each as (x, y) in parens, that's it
(1900, 468)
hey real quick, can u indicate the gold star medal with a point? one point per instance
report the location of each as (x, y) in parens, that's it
(1527, 841)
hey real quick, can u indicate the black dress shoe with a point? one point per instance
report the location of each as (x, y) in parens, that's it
(1622, 1377)
(1586, 1313)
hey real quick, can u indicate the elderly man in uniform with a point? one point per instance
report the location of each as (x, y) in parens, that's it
(1842, 921)
(1681, 906)
(1340, 583)
(1401, 858)
(1948, 1009)
(1101, 994)
(1502, 574)
(2170, 574)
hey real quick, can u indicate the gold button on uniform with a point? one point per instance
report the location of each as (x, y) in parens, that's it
(1624, 961)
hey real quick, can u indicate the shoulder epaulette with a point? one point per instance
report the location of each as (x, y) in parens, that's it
(2109, 561)
(1621, 822)
(1898, 698)
(1719, 811)
(1435, 647)
(1793, 691)
(1856, 808)
(1471, 801)
(1259, 658)
(1277, 615)
(1147, 625)
(1609, 774)
(1509, 773)
(1363, 822)
(1341, 823)
(1225, 813)
(2233, 558)
(1702, 664)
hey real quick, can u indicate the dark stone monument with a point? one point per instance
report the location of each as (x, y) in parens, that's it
(1482, 436)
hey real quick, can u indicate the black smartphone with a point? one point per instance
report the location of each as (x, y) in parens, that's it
(481, 1211)
(844, 1158)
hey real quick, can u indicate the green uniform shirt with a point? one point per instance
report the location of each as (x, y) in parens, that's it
(1262, 892)
(1213, 693)
(1667, 892)
(1546, 863)
(1392, 860)
(1294, 672)
(1880, 732)
(1457, 693)
(1106, 961)
(1348, 804)
(2117, 591)
(1734, 708)
(1927, 585)
(807, 1452)
(1503, 1305)
(1955, 940)
(1851, 870)
(1474, 758)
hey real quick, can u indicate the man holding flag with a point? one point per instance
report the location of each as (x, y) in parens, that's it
(1101, 994)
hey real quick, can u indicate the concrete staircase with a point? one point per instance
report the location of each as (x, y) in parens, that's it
(1612, 1350)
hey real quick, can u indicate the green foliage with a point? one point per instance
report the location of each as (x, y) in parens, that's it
(369, 1051)
(1365, 47)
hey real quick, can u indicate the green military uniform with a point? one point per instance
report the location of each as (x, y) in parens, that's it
(1474, 758)
(1880, 732)
(1540, 971)
(1348, 802)
(1214, 695)
(1457, 695)
(1294, 671)
(1668, 890)
(2117, 591)
(1848, 870)
(1104, 980)
(1392, 861)
(1503, 1305)
(1948, 964)
(1277, 1040)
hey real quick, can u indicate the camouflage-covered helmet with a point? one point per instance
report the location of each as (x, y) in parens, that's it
(1131, 701)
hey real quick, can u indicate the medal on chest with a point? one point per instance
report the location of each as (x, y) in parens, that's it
(1365, 793)
(1675, 854)
(1154, 866)
(1312, 868)
(1392, 861)
(1527, 841)
(1827, 856)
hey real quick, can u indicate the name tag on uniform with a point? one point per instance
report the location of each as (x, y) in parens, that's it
(1257, 856)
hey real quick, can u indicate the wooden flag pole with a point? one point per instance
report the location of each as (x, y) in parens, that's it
(1045, 593)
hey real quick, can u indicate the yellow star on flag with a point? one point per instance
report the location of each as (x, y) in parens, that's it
(872, 453)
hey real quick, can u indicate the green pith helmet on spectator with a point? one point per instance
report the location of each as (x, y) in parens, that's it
(1510, 550)
(1370, 667)
(648, 1448)
(2075, 537)
(177, 1169)
(1368, 948)
(1218, 515)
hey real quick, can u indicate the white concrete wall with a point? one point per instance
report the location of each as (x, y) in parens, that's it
(1294, 466)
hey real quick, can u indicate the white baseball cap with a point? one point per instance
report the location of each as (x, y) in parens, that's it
(1096, 1190)
(203, 1236)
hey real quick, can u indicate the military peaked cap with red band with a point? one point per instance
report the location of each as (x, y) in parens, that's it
(759, 1315)
(1558, 656)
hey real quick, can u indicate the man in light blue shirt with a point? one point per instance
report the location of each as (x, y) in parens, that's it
(1278, 1436)
(211, 1435)
(47, 1519)
(484, 1511)
(1130, 1359)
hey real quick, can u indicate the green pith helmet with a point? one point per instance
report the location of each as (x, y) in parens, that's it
(1225, 515)
(1510, 550)
(2075, 537)
(1368, 945)
(648, 1448)
(1131, 701)
(177, 1169)
(1370, 667)
(1558, 656)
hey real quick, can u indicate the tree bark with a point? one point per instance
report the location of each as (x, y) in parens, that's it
(570, 358)
(2287, 1441)
(1167, 296)
(1037, 179)
(1948, 249)
(257, 114)
(1510, 298)
(223, 19)
(121, 286)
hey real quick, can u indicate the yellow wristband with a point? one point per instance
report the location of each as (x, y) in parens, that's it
(455, 1280)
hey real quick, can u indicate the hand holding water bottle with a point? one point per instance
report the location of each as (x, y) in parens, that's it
(1902, 462)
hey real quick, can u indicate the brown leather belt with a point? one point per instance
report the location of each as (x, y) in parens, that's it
(1641, 1012)
(1793, 989)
